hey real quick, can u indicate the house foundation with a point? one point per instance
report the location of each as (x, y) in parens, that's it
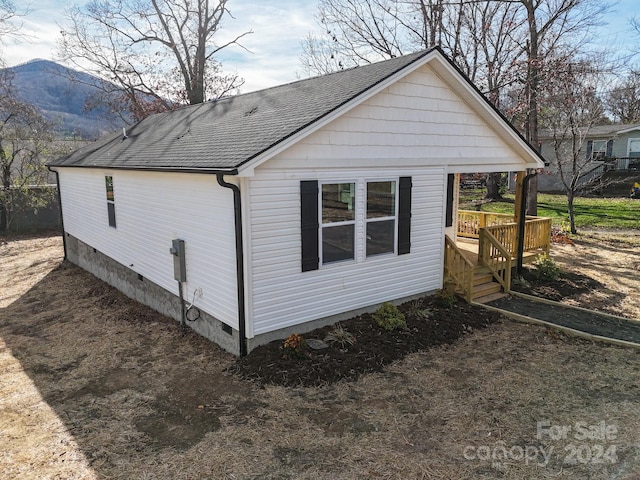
(147, 292)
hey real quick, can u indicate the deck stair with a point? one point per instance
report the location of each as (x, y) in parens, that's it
(485, 288)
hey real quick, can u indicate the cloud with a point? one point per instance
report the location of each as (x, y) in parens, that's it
(274, 47)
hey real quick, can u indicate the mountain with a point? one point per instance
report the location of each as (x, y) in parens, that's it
(50, 86)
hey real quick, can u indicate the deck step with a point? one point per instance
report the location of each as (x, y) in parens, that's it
(490, 298)
(486, 289)
(479, 278)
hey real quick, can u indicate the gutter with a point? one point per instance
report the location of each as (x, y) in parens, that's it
(64, 237)
(221, 171)
(237, 209)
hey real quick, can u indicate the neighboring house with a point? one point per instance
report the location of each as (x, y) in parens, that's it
(297, 205)
(606, 148)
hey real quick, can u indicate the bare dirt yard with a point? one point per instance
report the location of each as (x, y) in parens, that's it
(93, 385)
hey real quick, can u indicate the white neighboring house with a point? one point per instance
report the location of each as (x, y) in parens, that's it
(298, 205)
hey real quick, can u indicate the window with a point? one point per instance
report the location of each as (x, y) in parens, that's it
(338, 222)
(599, 150)
(111, 207)
(333, 221)
(381, 218)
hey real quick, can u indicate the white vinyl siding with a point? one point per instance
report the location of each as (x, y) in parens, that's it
(283, 295)
(417, 121)
(153, 209)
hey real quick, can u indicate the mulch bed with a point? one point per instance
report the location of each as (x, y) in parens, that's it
(374, 347)
(567, 285)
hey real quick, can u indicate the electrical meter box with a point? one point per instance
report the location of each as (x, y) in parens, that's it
(179, 265)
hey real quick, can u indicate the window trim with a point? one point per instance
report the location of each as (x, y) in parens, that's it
(321, 224)
(595, 154)
(395, 216)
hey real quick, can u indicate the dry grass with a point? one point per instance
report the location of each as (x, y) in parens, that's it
(613, 259)
(94, 386)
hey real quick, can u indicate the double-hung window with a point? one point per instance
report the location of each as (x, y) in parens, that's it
(353, 220)
(338, 222)
(599, 150)
(111, 206)
(381, 218)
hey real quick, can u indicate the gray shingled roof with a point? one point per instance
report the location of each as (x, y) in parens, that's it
(224, 134)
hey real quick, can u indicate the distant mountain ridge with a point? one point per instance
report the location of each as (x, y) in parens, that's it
(49, 86)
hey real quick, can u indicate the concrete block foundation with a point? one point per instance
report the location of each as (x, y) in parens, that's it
(147, 292)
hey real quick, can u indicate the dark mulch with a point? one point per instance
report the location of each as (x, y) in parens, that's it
(567, 285)
(373, 349)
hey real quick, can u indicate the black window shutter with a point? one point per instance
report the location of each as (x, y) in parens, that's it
(309, 224)
(404, 215)
(589, 148)
(609, 148)
(449, 212)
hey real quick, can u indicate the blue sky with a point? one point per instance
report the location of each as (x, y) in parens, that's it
(275, 46)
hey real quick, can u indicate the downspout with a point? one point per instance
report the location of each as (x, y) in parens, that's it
(522, 221)
(64, 237)
(237, 209)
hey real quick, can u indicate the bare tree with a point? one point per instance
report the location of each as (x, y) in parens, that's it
(623, 101)
(572, 108)
(10, 21)
(157, 53)
(500, 44)
(25, 138)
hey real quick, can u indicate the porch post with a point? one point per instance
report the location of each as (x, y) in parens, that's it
(520, 217)
(519, 195)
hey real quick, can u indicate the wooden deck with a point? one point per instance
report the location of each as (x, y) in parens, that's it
(470, 248)
(478, 262)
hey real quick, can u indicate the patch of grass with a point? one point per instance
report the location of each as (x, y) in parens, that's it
(614, 213)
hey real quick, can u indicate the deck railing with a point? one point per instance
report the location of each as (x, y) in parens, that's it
(458, 269)
(495, 256)
(470, 222)
(537, 230)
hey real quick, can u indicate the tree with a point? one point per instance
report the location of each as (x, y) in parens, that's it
(25, 139)
(156, 53)
(501, 45)
(623, 102)
(9, 15)
(572, 108)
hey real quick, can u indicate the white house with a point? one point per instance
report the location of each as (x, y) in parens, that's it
(297, 205)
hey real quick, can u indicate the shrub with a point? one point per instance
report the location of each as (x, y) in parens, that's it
(445, 299)
(547, 268)
(340, 335)
(389, 317)
(294, 343)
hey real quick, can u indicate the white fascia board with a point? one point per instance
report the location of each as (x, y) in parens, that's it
(480, 105)
(627, 130)
(248, 168)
